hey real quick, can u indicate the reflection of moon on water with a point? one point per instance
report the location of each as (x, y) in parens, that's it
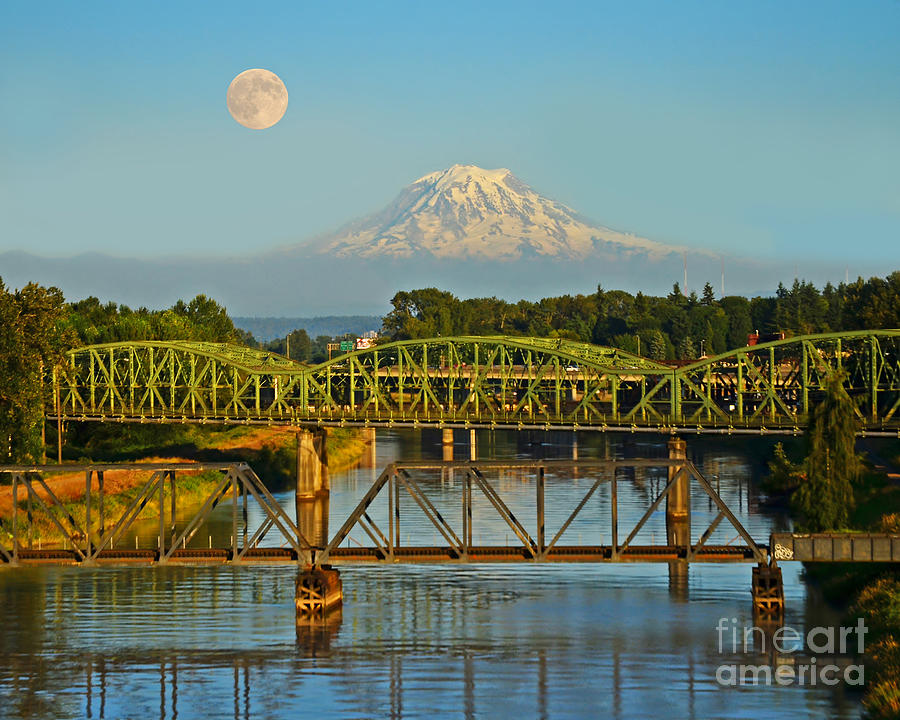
(257, 99)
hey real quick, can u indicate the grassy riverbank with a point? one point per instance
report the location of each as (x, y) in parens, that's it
(270, 451)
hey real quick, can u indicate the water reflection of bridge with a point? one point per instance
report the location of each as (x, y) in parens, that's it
(392, 681)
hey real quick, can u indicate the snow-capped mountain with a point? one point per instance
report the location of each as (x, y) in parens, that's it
(467, 212)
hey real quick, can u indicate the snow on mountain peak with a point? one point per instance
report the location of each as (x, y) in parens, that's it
(470, 212)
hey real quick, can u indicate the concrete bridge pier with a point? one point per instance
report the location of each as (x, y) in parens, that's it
(678, 580)
(447, 444)
(678, 501)
(312, 487)
(312, 464)
(312, 519)
(368, 459)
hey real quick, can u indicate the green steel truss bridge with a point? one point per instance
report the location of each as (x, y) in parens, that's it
(499, 382)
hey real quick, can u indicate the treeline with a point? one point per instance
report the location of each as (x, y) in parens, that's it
(674, 327)
(202, 318)
(37, 326)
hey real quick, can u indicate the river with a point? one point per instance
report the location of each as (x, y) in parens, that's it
(523, 641)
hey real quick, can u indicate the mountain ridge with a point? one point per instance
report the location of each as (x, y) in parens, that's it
(468, 212)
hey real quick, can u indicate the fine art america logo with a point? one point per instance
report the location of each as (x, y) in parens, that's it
(823, 656)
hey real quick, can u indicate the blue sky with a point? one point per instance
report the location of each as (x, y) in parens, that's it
(749, 128)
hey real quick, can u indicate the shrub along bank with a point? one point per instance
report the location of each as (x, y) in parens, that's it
(863, 590)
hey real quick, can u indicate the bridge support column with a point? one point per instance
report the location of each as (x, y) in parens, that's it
(678, 580)
(472, 448)
(312, 464)
(447, 444)
(768, 592)
(678, 501)
(319, 592)
(312, 519)
(368, 459)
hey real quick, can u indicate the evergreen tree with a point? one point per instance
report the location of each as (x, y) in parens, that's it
(686, 349)
(709, 296)
(657, 346)
(832, 465)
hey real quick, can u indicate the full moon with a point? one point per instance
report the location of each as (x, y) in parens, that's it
(257, 99)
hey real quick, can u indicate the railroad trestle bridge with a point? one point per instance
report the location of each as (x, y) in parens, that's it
(86, 533)
(499, 382)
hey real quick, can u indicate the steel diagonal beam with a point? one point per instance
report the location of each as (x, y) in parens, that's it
(55, 501)
(706, 403)
(692, 552)
(530, 393)
(257, 537)
(475, 384)
(282, 520)
(578, 508)
(820, 364)
(375, 534)
(723, 508)
(771, 393)
(111, 392)
(645, 403)
(494, 497)
(431, 512)
(420, 372)
(326, 396)
(153, 383)
(72, 378)
(588, 401)
(386, 543)
(480, 376)
(651, 509)
(131, 512)
(285, 525)
(283, 384)
(891, 412)
(374, 391)
(357, 513)
(238, 392)
(212, 500)
(197, 382)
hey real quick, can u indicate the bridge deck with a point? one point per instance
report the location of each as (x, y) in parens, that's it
(410, 555)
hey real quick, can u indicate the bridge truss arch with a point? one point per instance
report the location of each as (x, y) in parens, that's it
(498, 381)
